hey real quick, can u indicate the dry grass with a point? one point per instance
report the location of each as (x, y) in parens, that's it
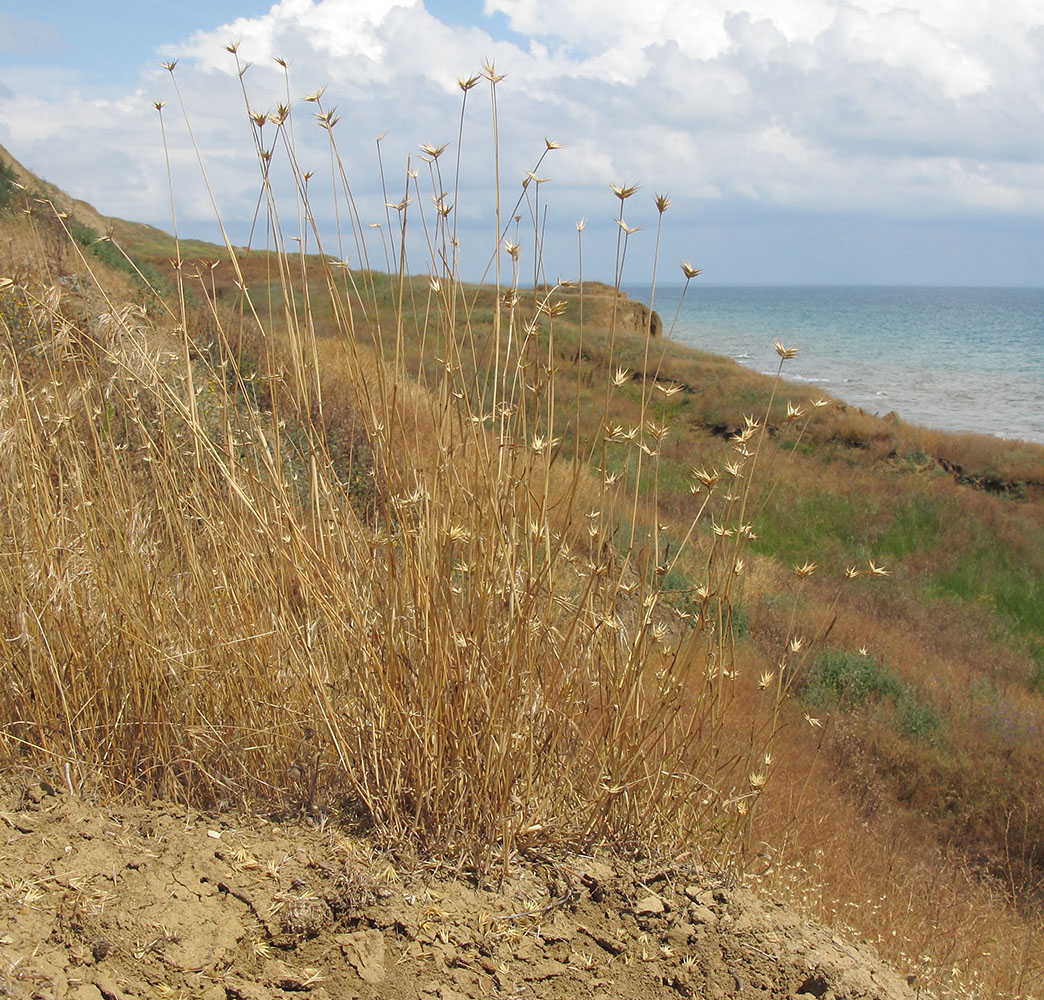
(311, 579)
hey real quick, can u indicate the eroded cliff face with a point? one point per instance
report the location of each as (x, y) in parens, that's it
(106, 900)
(632, 316)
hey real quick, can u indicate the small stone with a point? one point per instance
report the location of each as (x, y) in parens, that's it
(649, 906)
(364, 950)
(703, 915)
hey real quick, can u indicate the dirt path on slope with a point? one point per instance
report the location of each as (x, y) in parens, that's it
(119, 901)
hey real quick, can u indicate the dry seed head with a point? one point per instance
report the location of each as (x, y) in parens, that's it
(580, 225)
(551, 144)
(282, 62)
(794, 412)
(813, 722)
(877, 570)
(657, 431)
(705, 478)
(757, 780)
(689, 271)
(662, 203)
(232, 47)
(668, 389)
(629, 230)
(786, 353)
(623, 191)
(620, 377)
(851, 572)
(158, 105)
(169, 66)
(765, 680)
(553, 309)
(490, 73)
(458, 533)
(466, 83)
(863, 651)
(433, 151)
(805, 570)
(795, 644)
(315, 98)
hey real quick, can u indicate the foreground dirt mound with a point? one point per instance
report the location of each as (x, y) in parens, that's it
(120, 901)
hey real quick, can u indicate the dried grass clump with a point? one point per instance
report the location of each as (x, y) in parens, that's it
(212, 591)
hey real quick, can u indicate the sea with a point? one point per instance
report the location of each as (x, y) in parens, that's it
(954, 359)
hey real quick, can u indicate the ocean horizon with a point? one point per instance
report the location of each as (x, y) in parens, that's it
(949, 358)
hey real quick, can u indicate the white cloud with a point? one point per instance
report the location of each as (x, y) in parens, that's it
(928, 109)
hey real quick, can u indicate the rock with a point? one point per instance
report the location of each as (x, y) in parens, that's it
(243, 989)
(649, 906)
(283, 977)
(364, 951)
(703, 915)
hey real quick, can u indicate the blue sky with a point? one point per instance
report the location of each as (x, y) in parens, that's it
(800, 141)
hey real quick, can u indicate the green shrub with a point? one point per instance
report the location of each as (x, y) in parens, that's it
(7, 185)
(850, 681)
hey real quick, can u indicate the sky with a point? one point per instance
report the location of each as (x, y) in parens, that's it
(799, 141)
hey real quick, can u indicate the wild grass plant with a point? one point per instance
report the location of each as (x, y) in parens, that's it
(245, 564)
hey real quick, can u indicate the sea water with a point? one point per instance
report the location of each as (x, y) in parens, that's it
(956, 359)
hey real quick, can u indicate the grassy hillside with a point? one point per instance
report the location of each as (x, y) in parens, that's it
(491, 570)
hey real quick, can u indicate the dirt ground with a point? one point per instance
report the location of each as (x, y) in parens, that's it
(121, 901)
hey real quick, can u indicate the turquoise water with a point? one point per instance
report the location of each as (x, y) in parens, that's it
(949, 358)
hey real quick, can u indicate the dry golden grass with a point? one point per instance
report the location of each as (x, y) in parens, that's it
(321, 581)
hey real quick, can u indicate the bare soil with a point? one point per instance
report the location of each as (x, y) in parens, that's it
(114, 900)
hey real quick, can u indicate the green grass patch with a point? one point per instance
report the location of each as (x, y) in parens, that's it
(1011, 583)
(916, 526)
(793, 526)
